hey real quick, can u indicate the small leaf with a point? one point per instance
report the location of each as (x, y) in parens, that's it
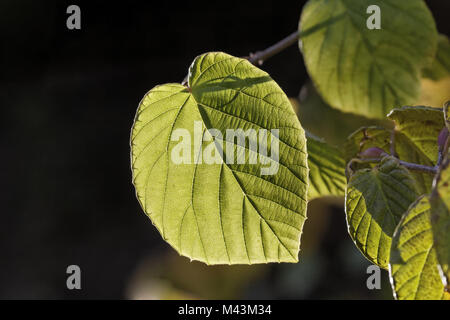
(440, 208)
(420, 126)
(375, 201)
(365, 71)
(413, 267)
(224, 212)
(326, 169)
(416, 139)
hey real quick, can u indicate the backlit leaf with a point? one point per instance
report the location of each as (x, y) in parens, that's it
(375, 202)
(416, 139)
(416, 133)
(222, 213)
(413, 266)
(326, 169)
(366, 71)
(440, 207)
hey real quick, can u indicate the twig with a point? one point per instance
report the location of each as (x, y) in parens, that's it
(259, 57)
(408, 165)
(439, 159)
(418, 167)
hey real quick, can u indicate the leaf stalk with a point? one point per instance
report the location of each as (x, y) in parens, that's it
(408, 165)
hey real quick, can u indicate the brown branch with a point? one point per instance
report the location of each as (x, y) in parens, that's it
(408, 165)
(259, 57)
(418, 167)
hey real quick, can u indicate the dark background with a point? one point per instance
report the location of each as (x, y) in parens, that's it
(67, 102)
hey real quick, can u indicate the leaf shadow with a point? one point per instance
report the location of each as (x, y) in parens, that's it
(230, 82)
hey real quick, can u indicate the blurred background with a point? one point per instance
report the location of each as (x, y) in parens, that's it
(68, 100)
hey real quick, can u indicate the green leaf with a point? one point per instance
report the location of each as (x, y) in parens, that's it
(440, 207)
(413, 267)
(326, 169)
(416, 133)
(367, 71)
(421, 125)
(222, 213)
(375, 201)
(440, 67)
